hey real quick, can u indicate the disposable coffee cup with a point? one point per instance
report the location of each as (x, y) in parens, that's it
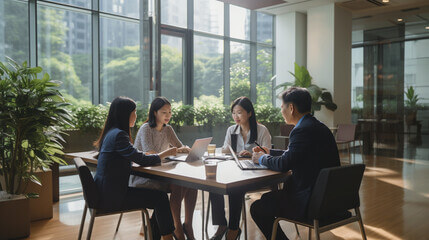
(234, 137)
(211, 168)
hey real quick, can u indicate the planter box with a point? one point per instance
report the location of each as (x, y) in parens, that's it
(14, 218)
(78, 141)
(41, 207)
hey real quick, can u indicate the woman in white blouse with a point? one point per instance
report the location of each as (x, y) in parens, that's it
(155, 136)
(248, 131)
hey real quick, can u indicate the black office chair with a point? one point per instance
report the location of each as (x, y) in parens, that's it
(336, 192)
(91, 201)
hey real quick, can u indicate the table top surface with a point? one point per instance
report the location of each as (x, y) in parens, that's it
(228, 179)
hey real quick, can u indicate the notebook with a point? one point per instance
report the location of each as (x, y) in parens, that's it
(246, 164)
(197, 151)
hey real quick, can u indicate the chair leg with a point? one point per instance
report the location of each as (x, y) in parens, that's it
(348, 151)
(244, 216)
(297, 231)
(275, 226)
(361, 149)
(202, 214)
(119, 221)
(146, 227)
(316, 229)
(82, 222)
(207, 217)
(309, 233)
(362, 229)
(91, 225)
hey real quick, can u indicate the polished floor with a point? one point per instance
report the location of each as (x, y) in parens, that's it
(394, 203)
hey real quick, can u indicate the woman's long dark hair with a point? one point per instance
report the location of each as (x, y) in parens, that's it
(156, 104)
(245, 103)
(119, 117)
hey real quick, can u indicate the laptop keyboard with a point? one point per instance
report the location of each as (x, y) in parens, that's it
(250, 164)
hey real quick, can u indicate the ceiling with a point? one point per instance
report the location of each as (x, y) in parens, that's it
(366, 14)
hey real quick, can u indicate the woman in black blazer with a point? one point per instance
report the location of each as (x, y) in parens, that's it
(116, 153)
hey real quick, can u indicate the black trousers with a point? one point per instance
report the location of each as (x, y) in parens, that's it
(153, 199)
(282, 203)
(218, 209)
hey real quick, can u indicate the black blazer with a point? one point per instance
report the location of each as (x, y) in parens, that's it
(311, 148)
(114, 167)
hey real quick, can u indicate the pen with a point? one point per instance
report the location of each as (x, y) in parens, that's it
(260, 147)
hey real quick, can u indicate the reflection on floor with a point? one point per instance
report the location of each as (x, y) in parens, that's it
(394, 203)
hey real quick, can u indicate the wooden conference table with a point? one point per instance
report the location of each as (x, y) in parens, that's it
(229, 178)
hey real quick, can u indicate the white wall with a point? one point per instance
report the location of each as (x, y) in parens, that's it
(329, 58)
(291, 45)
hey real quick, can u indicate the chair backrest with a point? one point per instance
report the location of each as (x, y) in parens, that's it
(346, 132)
(286, 129)
(90, 192)
(336, 191)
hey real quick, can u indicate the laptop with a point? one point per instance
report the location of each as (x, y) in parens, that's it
(246, 164)
(197, 151)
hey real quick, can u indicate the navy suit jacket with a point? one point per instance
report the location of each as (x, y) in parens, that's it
(114, 167)
(311, 148)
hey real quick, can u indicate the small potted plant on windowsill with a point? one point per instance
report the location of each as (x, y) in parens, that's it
(31, 109)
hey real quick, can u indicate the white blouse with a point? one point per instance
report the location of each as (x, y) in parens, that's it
(263, 139)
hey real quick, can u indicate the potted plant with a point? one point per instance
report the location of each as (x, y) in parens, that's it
(411, 106)
(31, 111)
(320, 96)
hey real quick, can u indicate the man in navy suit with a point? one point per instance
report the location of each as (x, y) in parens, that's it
(311, 148)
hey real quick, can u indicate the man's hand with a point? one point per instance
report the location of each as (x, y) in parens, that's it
(256, 156)
(169, 152)
(258, 149)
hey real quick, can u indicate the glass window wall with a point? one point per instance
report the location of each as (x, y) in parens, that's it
(208, 67)
(14, 37)
(64, 50)
(174, 13)
(239, 70)
(120, 66)
(239, 22)
(208, 16)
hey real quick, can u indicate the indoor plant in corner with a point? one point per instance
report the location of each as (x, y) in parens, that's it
(411, 106)
(320, 96)
(31, 109)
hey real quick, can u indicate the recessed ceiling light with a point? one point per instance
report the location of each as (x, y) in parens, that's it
(400, 19)
(385, 1)
(427, 27)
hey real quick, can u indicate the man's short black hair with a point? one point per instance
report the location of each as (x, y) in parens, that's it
(300, 97)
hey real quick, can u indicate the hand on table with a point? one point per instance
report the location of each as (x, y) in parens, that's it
(256, 156)
(169, 152)
(244, 153)
(184, 149)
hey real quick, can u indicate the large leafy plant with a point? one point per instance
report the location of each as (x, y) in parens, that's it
(320, 96)
(31, 111)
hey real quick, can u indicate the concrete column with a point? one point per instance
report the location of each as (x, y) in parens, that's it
(329, 58)
(291, 45)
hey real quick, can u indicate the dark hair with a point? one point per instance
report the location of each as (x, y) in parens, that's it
(156, 104)
(300, 97)
(245, 103)
(119, 117)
